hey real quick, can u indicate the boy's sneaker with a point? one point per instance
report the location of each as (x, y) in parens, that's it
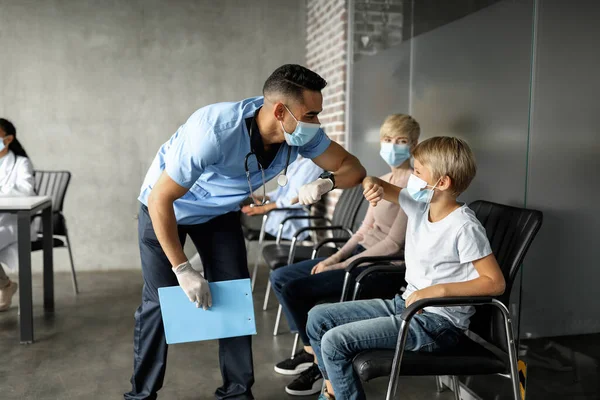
(295, 366)
(309, 382)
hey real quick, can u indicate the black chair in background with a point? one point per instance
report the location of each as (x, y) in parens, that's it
(345, 220)
(253, 228)
(510, 231)
(54, 184)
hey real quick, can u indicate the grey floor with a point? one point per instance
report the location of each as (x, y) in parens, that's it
(84, 349)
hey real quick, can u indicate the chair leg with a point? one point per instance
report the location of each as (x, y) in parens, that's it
(456, 387)
(266, 303)
(277, 320)
(438, 384)
(255, 269)
(295, 346)
(73, 275)
(261, 239)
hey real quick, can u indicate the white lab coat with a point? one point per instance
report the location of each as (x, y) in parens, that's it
(16, 179)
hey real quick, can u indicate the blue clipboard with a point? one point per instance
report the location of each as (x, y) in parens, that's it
(232, 313)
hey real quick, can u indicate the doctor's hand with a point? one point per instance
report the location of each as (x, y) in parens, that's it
(312, 192)
(194, 285)
(373, 192)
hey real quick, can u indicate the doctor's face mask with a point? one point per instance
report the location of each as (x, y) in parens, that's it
(303, 133)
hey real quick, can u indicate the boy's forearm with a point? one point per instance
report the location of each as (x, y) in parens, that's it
(390, 192)
(482, 286)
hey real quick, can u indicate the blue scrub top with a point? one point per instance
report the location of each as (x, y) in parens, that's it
(206, 155)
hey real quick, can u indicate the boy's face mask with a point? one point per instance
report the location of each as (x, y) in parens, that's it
(417, 188)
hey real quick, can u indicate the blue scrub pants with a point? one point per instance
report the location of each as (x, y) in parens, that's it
(222, 249)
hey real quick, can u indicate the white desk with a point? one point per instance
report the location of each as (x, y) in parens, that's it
(25, 208)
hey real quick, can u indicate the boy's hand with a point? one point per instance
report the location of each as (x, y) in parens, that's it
(373, 192)
(427, 293)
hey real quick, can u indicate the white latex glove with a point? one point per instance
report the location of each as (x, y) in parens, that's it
(312, 192)
(194, 285)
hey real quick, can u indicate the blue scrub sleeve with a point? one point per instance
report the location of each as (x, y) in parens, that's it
(192, 149)
(316, 146)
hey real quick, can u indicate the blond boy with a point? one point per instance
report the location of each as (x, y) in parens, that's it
(447, 254)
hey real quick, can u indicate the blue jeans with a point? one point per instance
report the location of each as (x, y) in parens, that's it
(298, 291)
(340, 331)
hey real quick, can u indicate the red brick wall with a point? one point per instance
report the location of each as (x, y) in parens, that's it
(326, 54)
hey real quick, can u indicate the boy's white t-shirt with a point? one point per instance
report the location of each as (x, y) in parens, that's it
(442, 252)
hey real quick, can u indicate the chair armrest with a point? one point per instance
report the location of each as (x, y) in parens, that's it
(312, 228)
(366, 260)
(295, 217)
(322, 228)
(415, 307)
(395, 269)
(287, 209)
(322, 243)
(382, 281)
(360, 261)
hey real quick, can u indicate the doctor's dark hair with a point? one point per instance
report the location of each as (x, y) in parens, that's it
(15, 146)
(291, 80)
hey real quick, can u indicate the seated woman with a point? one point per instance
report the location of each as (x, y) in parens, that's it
(16, 179)
(300, 286)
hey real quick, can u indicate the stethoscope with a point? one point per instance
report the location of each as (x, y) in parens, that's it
(282, 180)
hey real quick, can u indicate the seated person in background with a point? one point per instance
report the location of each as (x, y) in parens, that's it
(300, 172)
(447, 254)
(299, 287)
(16, 179)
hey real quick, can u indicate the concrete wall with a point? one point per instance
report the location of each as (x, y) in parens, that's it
(96, 87)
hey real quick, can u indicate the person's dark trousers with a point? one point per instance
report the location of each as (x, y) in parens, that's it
(221, 246)
(298, 291)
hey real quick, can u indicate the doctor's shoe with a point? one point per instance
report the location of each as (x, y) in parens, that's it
(294, 366)
(6, 295)
(309, 382)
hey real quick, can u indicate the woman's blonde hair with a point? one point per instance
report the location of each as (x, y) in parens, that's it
(448, 156)
(401, 124)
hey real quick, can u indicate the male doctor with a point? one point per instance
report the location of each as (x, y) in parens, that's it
(194, 186)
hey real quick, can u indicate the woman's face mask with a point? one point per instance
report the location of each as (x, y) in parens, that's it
(394, 154)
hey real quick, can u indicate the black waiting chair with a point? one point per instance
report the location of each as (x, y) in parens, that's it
(253, 228)
(510, 231)
(54, 184)
(385, 274)
(346, 218)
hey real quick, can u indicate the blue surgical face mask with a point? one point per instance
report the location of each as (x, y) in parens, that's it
(394, 154)
(303, 133)
(2, 146)
(417, 188)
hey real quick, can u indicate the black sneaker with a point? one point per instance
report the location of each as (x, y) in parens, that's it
(295, 366)
(309, 382)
